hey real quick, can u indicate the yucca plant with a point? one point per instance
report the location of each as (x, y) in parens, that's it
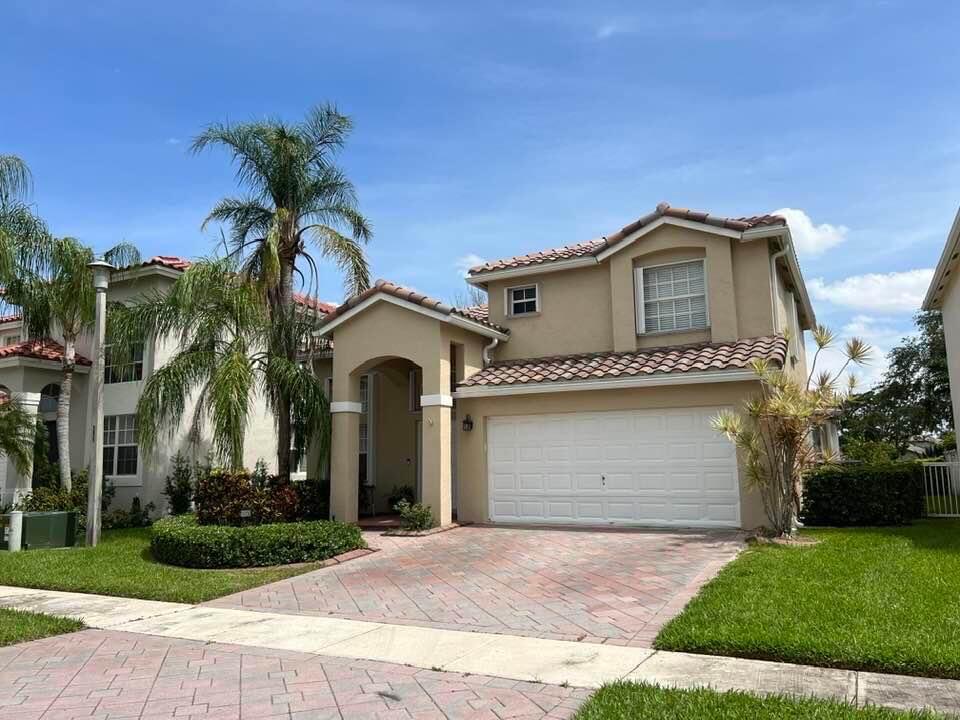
(773, 432)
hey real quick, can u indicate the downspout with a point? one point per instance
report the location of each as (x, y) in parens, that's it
(774, 284)
(487, 349)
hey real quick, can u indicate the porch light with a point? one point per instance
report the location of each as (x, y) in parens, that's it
(467, 424)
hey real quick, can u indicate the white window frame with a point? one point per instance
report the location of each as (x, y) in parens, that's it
(11, 338)
(108, 365)
(508, 300)
(132, 480)
(415, 391)
(639, 302)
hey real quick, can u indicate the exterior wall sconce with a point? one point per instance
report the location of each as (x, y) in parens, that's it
(467, 424)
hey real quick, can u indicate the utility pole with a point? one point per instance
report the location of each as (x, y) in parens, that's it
(101, 280)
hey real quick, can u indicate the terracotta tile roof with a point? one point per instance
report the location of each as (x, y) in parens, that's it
(594, 366)
(39, 349)
(385, 286)
(594, 247)
(314, 304)
(10, 318)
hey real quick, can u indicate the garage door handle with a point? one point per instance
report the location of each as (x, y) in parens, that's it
(603, 480)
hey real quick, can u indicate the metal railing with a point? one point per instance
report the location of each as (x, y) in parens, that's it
(941, 481)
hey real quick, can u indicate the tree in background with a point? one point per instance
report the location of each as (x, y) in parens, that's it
(297, 196)
(55, 295)
(224, 360)
(912, 399)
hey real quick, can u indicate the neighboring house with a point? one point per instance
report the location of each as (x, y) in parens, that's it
(944, 295)
(31, 368)
(584, 392)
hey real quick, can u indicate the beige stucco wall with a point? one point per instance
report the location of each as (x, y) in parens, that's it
(372, 338)
(951, 329)
(593, 309)
(472, 461)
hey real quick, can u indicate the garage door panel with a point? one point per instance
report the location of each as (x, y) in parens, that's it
(651, 467)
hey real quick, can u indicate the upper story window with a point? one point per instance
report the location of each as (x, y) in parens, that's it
(11, 339)
(671, 297)
(127, 367)
(523, 300)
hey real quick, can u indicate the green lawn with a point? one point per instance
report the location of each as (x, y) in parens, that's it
(627, 701)
(122, 565)
(884, 599)
(19, 626)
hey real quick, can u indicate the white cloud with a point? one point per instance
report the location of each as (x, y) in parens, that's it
(607, 30)
(896, 292)
(812, 240)
(173, 141)
(468, 261)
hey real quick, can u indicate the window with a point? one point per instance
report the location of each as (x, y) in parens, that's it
(11, 339)
(522, 300)
(672, 297)
(119, 445)
(364, 412)
(125, 368)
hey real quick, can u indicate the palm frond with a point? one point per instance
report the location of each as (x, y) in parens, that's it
(347, 253)
(17, 432)
(16, 182)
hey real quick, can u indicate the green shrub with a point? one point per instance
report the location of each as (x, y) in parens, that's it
(879, 494)
(415, 517)
(53, 499)
(137, 516)
(314, 499)
(181, 541)
(400, 492)
(179, 486)
(224, 497)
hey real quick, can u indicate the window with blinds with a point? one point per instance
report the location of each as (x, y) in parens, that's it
(674, 297)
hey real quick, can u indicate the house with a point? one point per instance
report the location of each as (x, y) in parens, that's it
(583, 392)
(31, 368)
(944, 295)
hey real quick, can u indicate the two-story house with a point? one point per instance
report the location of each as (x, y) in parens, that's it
(583, 393)
(31, 368)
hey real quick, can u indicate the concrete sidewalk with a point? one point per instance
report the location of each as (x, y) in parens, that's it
(553, 662)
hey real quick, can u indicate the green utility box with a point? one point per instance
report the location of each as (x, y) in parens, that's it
(49, 530)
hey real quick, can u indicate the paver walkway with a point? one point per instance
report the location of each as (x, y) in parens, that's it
(615, 587)
(127, 661)
(103, 675)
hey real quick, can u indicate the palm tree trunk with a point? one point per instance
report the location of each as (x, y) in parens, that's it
(284, 437)
(63, 413)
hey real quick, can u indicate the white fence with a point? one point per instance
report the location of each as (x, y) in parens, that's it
(942, 483)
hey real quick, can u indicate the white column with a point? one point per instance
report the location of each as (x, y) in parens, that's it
(100, 282)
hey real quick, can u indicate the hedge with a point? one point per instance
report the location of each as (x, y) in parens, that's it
(876, 494)
(181, 541)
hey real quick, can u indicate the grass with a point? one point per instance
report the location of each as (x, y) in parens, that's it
(122, 565)
(19, 626)
(634, 700)
(882, 599)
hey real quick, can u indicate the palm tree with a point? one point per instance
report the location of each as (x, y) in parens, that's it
(295, 193)
(17, 428)
(59, 296)
(225, 331)
(22, 233)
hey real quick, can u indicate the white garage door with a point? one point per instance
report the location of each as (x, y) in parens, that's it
(640, 467)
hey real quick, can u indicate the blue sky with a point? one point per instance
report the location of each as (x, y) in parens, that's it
(490, 129)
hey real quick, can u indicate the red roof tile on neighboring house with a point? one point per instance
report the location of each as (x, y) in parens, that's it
(313, 303)
(39, 349)
(608, 365)
(594, 247)
(384, 286)
(10, 318)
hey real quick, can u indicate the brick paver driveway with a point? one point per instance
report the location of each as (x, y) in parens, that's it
(597, 586)
(103, 675)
